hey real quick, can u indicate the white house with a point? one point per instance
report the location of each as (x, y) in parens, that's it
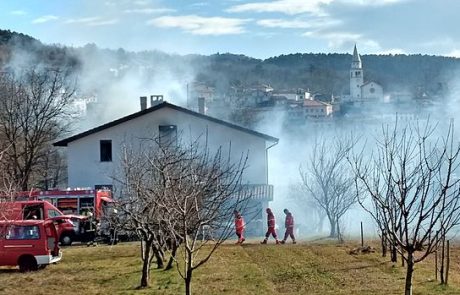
(93, 157)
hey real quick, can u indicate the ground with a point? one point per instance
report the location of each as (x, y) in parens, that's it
(305, 268)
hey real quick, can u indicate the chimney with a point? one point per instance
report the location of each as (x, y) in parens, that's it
(143, 102)
(201, 106)
(155, 99)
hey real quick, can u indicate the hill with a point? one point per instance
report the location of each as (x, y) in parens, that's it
(325, 73)
(307, 268)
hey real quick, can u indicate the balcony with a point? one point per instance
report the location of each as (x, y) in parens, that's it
(262, 192)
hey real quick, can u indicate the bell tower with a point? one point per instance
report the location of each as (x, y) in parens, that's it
(356, 76)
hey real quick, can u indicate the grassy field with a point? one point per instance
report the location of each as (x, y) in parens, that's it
(306, 268)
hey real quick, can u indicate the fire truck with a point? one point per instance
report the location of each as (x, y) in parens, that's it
(87, 205)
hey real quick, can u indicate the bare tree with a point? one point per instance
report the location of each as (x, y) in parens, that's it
(34, 110)
(410, 180)
(329, 181)
(178, 192)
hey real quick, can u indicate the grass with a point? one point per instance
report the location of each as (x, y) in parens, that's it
(306, 268)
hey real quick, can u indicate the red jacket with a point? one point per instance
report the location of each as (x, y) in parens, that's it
(289, 220)
(271, 220)
(239, 223)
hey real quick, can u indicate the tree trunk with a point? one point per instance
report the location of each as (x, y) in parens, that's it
(146, 259)
(409, 273)
(383, 241)
(332, 233)
(339, 233)
(173, 256)
(188, 283)
(158, 256)
(394, 253)
(441, 268)
(189, 271)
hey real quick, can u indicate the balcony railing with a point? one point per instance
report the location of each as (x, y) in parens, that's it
(258, 192)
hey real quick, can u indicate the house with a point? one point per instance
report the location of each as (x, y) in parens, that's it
(316, 109)
(93, 156)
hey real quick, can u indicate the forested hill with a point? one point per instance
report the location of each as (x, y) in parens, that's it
(20, 50)
(325, 73)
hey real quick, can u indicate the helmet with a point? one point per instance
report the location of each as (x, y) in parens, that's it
(268, 210)
(286, 211)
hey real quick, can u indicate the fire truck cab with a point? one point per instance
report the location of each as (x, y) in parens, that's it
(30, 244)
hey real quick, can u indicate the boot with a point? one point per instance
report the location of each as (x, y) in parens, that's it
(264, 241)
(283, 242)
(277, 242)
(294, 242)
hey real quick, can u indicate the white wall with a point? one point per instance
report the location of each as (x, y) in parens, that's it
(86, 170)
(375, 94)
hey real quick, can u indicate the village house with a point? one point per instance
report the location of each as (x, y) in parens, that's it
(93, 156)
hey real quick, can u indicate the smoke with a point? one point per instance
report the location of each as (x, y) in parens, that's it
(116, 79)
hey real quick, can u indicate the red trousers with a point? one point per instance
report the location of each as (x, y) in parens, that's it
(239, 234)
(289, 232)
(271, 230)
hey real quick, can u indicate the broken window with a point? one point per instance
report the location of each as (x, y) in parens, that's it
(106, 150)
(167, 135)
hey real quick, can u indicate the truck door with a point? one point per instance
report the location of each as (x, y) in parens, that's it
(52, 238)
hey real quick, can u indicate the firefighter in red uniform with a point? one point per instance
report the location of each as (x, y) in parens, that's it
(271, 227)
(289, 224)
(239, 227)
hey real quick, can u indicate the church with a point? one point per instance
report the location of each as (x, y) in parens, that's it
(361, 91)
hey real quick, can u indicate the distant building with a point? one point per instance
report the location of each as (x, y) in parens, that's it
(315, 109)
(361, 91)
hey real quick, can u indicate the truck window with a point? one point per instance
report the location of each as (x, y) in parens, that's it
(53, 213)
(23, 232)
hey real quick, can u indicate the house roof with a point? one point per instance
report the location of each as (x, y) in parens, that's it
(369, 82)
(162, 105)
(314, 103)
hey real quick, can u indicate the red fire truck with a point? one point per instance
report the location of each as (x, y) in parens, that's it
(93, 204)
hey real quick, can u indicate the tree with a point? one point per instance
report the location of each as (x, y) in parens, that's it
(184, 194)
(329, 181)
(34, 111)
(411, 183)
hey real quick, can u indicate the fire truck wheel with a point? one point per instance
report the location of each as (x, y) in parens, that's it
(66, 239)
(27, 263)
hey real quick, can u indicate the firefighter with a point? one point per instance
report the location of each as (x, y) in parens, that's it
(271, 227)
(239, 227)
(289, 224)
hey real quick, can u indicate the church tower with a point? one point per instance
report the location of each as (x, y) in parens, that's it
(356, 76)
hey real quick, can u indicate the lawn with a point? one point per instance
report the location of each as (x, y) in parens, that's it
(305, 268)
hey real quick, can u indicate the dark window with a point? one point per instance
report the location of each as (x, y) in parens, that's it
(167, 135)
(106, 150)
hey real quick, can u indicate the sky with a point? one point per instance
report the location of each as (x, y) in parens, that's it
(257, 28)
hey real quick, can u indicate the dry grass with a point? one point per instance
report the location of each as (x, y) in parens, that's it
(310, 268)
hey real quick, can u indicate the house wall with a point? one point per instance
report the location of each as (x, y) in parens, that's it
(86, 169)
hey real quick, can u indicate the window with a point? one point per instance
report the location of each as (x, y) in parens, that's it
(53, 213)
(23, 232)
(106, 150)
(167, 135)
